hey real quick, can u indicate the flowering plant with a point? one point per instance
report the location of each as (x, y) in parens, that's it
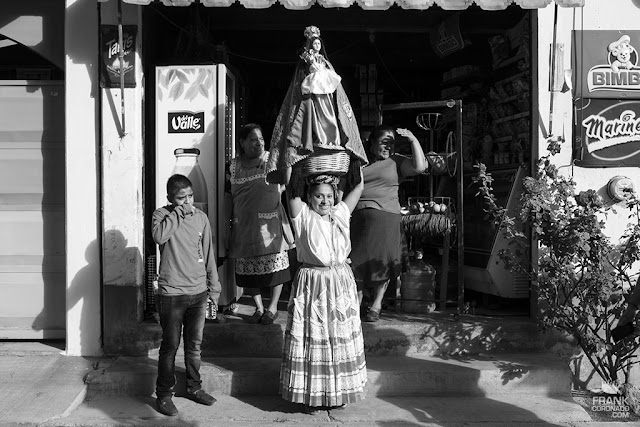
(582, 278)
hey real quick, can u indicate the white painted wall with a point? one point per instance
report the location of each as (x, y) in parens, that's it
(84, 330)
(596, 15)
(122, 168)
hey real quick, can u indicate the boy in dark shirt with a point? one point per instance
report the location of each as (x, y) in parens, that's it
(187, 279)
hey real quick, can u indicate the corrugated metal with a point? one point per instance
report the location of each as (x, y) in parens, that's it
(32, 208)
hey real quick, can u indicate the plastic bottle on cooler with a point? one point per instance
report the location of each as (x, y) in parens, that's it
(187, 165)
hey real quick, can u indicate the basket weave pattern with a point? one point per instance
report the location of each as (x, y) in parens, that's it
(326, 162)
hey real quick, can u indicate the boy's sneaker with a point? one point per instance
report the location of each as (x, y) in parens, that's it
(202, 397)
(165, 406)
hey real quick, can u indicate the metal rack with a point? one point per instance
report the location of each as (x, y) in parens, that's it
(427, 122)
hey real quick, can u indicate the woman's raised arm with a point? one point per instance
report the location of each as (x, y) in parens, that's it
(351, 199)
(418, 163)
(295, 203)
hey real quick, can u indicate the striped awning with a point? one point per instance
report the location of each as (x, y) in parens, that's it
(370, 4)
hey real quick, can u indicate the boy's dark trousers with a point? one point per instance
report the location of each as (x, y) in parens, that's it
(176, 311)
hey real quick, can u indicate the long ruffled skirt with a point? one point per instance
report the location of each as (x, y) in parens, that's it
(323, 360)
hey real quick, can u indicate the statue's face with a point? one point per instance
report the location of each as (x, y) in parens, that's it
(316, 45)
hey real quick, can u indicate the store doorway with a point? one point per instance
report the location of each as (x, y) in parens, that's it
(383, 57)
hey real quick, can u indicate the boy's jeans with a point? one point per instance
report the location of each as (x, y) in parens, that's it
(176, 311)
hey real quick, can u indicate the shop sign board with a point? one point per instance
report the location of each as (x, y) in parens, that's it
(607, 133)
(447, 39)
(606, 63)
(110, 54)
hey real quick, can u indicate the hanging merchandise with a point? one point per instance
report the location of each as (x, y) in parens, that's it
(447, 39)
(187, 165)
(113, 63)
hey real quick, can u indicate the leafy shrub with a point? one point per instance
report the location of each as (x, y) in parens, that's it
(582, 278)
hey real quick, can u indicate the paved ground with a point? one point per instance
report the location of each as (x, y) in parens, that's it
(273, 411)
(41, 387)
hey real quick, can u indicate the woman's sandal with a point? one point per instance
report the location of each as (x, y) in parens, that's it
(255, 318)
(372, 315)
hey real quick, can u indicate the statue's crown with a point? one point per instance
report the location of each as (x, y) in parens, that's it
(311, 31)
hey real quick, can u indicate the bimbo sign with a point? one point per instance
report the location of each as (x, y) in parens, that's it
(608, 133)
(607, 64)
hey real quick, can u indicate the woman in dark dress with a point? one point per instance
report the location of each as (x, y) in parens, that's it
(375, 223)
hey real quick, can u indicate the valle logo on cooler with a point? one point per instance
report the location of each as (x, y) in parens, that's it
(621, 73)
(186, 122)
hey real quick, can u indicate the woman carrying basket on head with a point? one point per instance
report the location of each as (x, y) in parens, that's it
(323, 362)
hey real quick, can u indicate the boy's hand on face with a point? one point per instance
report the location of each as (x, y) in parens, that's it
(189, 209)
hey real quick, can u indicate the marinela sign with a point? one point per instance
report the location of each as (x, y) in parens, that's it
(608, 133)
(607, 64)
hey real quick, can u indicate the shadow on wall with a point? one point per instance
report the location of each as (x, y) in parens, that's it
(121, 262)
(77, 294)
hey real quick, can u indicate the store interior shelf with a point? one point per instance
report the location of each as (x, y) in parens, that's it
(509, 99)
(509, 61)
(466, 78)
(513, 77)
(513, 117)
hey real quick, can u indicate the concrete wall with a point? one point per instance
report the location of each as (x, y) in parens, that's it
(596, 15)
(84, 332)
(122, 198)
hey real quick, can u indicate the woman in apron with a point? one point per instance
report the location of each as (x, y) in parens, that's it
(260, 232)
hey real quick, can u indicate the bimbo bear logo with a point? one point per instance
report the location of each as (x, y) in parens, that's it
(622, 54)
(186, 122)
(621, 73)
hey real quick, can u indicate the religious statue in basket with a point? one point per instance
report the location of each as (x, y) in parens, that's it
(316, 124)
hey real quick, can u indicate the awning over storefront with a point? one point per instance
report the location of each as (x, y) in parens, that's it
(370, 4)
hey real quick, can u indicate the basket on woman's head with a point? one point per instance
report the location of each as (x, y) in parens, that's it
(323, 161)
